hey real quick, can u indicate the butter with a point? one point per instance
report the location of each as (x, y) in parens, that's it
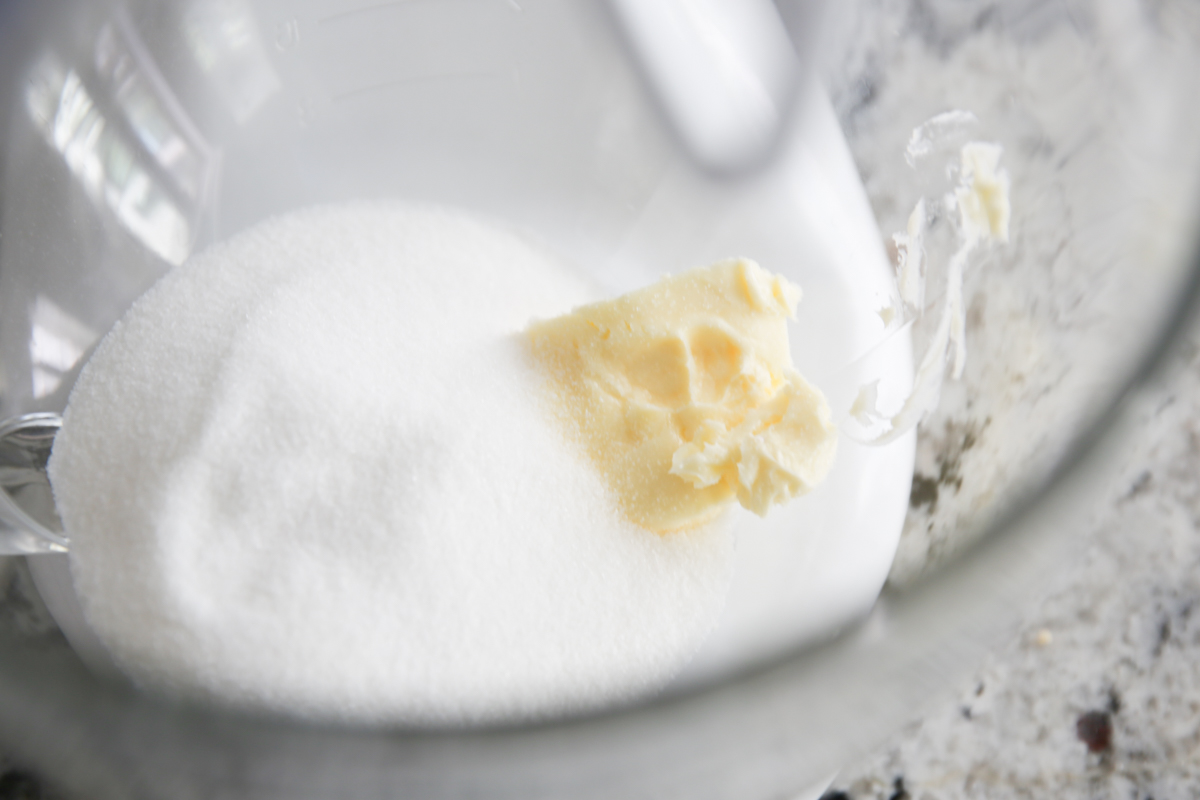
(684, 396)
(983, 193)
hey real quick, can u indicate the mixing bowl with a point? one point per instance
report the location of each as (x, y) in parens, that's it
(136, 133)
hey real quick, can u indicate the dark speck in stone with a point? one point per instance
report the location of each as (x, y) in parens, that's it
(1164, 636)
(924, 492)
(899, 793)
(1114, 702)
(836, 794)
(865, 91)
(1139, 486)
(1095, 730)
(966, 712)
(957, 439)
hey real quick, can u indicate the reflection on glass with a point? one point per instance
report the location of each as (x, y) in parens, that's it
(126, 70)
(56, 343)
(103, 160)
(225, 42)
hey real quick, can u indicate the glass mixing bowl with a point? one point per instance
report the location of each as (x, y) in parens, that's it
(137, 132)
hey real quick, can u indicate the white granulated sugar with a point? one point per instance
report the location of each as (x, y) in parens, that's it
(306, 473)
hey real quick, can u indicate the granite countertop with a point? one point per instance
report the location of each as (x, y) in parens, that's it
(1098, 694)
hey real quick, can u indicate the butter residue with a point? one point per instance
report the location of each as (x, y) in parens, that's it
(983, 193)
(684, 395)
(982, 198)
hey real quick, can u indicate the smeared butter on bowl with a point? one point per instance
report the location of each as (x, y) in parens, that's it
(684, 396)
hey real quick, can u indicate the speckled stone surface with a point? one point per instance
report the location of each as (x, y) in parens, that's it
(1051, 314)
(1098, 695)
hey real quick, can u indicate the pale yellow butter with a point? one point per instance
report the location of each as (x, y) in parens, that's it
(983, 194)
(684, 396)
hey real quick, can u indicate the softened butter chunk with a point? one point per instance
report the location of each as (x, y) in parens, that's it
(683, 394)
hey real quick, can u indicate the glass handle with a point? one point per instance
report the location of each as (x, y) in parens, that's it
(29, 522)
(723, 71)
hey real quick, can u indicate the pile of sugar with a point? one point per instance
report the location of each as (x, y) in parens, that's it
(307, 473)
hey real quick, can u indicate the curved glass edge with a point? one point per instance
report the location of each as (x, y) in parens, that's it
(24, 447)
